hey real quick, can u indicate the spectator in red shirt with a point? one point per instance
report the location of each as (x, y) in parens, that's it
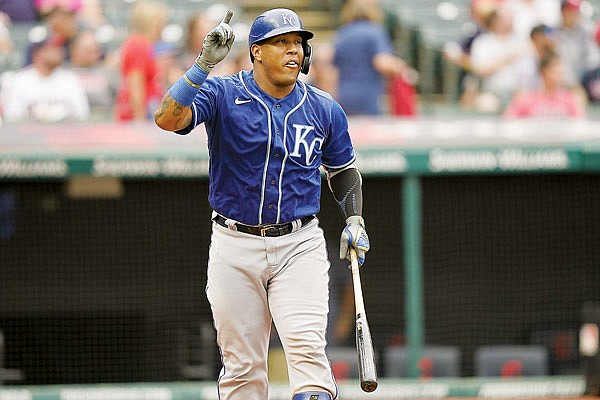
(552, 100)
(140, 87)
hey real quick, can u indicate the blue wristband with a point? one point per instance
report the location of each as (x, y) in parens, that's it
(186, 88)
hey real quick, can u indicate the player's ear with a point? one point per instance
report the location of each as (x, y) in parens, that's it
(256, 53)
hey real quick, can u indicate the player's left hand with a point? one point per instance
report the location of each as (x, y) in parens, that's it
(217, 44)
(354, 236)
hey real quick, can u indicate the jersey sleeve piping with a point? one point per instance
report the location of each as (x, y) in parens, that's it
(192, 124)
(333, 167)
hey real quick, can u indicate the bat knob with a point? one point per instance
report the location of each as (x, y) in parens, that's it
(368, 386)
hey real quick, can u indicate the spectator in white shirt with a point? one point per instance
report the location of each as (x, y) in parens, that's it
(498, 59)
(530, 13)
(44, 91)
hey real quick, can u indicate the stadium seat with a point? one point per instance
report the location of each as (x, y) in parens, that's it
(435, 361)
(511, 361)
(562, 346)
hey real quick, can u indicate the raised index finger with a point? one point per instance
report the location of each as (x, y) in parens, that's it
(227, 17)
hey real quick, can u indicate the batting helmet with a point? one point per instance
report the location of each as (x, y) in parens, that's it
(277, 22)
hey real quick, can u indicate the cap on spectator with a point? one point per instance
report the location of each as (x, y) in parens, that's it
(574, 5)
(46, 6)
(165, 49)
(543, 29)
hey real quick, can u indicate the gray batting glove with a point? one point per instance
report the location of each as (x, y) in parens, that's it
(217, 44)
(354, 236)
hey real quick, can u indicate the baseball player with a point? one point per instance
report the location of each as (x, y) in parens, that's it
(268, 135)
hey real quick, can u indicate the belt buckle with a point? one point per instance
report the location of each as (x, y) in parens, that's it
(265, 229)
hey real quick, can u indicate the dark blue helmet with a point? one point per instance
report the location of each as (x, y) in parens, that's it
(276, 22)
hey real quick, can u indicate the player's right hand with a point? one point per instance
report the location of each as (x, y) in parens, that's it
(354, 236)
(217, 44)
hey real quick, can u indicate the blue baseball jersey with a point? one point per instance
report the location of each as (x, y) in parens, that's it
(265, 152)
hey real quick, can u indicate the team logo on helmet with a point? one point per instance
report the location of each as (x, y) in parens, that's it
(288, 19)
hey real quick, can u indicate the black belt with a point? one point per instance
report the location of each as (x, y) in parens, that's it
(271, 230)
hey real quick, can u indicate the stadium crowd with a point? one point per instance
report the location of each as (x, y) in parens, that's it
(526, 58)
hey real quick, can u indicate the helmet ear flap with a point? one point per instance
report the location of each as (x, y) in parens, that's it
(307, 57)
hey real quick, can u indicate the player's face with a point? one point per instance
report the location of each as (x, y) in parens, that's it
(281, 57)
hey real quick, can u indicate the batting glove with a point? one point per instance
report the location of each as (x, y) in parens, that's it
(217, 44)
(354, 236)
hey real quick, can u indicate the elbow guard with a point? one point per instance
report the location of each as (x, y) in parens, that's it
(346, 187)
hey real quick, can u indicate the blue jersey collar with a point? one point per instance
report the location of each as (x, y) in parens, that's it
(295, 95)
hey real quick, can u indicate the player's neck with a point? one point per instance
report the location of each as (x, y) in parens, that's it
(269, 87)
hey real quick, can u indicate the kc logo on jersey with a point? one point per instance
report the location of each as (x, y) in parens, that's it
(307, 143)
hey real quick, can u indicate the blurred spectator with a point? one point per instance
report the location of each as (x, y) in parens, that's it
(576, 44)
(459, 54)
(389, 16)
(543, 41)
(238, 59)
(98, 79)
(89, 12)
(552, 100)
(197, 27)
(402, 95)
(140, 86)
(19, 10)
(322, 73)
(498, 59)
(591, 79)
(44, 91)
(167, 59)
(60, 18)
(92, 14)
(241, 59)
(46, 6)
(6, 43)
(530, 13)
(362, 80)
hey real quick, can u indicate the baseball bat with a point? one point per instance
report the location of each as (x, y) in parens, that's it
(367, 372)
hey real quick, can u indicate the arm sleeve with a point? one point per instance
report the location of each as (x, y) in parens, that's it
(346, 186)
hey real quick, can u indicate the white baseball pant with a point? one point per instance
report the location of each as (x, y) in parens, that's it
(255, 280)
